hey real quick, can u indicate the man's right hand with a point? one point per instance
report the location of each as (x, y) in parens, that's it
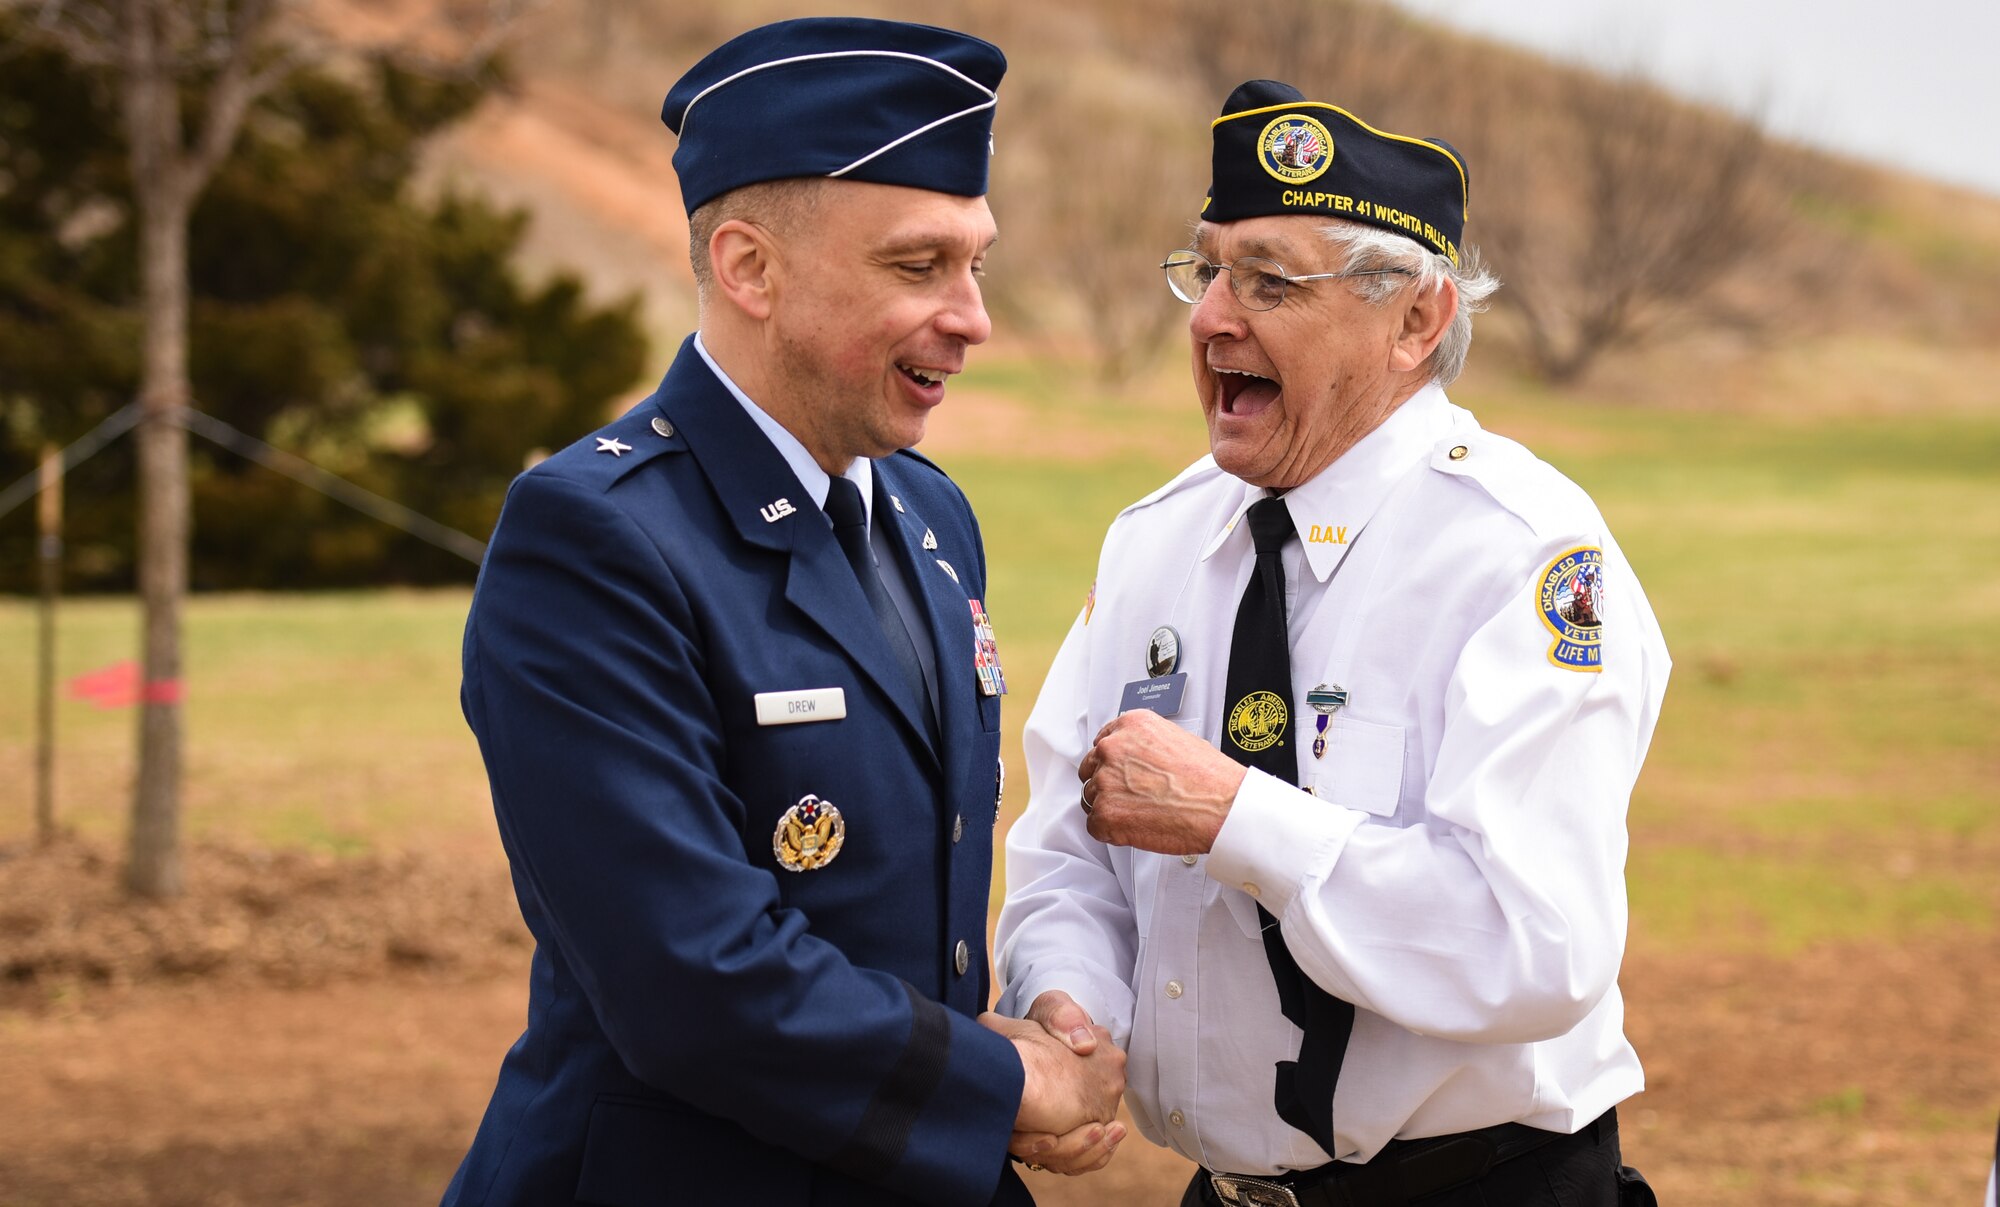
(1090, 1146)
(1062, 1090)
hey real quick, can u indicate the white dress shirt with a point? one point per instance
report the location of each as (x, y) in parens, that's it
(1453, 865)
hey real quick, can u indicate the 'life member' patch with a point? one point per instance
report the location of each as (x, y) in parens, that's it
(1572, 605)
(1295, 148)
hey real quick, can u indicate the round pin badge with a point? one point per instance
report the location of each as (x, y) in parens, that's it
(1258, 721)
(1295, 148)
(1163, 652)
(809, 835)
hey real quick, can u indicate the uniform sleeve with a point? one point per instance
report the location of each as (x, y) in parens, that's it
(1502, 918)
(584, 681)
(1068, 922)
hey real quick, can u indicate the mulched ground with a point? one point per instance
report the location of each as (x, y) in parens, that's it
(319, 1031)
(291, 919)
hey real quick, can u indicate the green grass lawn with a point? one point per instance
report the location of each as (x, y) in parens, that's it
(1825, 767)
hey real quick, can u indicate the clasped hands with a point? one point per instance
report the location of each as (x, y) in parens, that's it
(1075, 1077)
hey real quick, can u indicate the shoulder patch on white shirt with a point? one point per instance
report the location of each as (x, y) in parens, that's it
(1200, 471)
(1570, 597)
(1530, 488)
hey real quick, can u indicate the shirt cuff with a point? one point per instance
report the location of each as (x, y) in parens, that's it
(1108, 1002)
(1278, 841)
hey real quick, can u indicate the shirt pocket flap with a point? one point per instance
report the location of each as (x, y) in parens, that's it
(1363, 766)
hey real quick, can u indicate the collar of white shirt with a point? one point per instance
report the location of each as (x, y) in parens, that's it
(1333, 507)
(861, 471)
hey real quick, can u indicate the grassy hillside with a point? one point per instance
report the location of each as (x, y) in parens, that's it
(1110, 99)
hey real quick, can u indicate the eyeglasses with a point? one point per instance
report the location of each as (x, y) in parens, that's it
(1258, 283)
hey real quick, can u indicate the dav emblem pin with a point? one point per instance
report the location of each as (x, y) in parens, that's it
(1571, 599)
(986, 653)
(809, 835)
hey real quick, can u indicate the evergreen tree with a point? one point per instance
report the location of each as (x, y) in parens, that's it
(334, 315)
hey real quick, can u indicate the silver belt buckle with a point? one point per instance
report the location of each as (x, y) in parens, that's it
(1252, 1192)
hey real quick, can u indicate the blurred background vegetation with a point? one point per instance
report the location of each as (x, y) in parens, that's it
(420, 282)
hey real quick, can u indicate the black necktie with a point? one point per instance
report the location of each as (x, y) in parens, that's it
(1258, 700)
(850, 527)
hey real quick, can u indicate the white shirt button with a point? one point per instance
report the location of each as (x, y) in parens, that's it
(1250, 887)
(1190, 860)
(1177, 1119)
(1173, 988)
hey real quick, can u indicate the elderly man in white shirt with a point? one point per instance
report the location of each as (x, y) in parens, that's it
(1329, 779)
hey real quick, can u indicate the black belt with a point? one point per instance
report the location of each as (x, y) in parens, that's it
(1403, 1170)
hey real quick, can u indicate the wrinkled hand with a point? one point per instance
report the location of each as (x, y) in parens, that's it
(1062, 1091)
(1152, 785)
(1085, 1149)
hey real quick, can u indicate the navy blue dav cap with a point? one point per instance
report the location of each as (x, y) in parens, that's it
(843, 97)
(1279, 153)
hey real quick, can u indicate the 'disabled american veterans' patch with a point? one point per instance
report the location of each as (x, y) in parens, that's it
(1295, 148)
(1571, 599)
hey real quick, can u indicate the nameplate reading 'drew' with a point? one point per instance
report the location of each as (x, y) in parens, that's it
(794, 708)
(1162, 695)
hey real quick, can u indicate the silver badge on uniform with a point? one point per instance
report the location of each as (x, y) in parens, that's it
(809, 835)
(1326, 699)
(1162, 689)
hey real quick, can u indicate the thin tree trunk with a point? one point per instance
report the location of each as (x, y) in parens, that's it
(160, 186)
(154, 867)
(49, 523)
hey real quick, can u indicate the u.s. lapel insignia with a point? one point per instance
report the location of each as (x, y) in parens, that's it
(776, 510)
(930, 540)
(1326, 699)
(896, 503)
(809, 835)
(946, 567)
(612, 445)
(986, 653)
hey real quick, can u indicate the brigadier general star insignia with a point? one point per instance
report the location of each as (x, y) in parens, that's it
(612, 445)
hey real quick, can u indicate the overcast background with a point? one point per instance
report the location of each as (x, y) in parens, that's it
(1914, 84)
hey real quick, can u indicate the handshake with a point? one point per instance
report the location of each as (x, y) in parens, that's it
(1075, 1077)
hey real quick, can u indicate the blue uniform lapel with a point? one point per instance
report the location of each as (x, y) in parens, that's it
(943, 601)
(772, 510)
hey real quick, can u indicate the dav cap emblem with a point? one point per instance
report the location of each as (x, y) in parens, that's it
(809, 835)
(1295, 148)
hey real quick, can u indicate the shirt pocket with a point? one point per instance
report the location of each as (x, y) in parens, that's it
(1362, 768)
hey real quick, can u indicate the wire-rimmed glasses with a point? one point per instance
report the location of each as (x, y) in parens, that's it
(1258, 283)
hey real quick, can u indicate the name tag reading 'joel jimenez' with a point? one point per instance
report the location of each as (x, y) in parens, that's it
(1162, 695)
(797, 707)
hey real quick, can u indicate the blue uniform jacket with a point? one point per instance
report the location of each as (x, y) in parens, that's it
(704, 1026)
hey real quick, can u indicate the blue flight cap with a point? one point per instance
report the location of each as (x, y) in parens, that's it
(839, 97)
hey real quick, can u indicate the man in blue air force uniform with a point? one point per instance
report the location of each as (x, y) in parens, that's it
(738, 699)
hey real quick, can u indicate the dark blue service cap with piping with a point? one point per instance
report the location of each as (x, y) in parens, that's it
(1279, 153)
(843, 97)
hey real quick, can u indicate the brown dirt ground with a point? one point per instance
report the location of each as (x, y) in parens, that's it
(333, 1041)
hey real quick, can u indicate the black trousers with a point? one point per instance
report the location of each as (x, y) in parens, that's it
(1572, 1171)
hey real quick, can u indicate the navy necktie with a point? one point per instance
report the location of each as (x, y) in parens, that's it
(1259, 699)
(850, 528)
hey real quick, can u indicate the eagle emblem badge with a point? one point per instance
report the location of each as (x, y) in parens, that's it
(809, 835)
